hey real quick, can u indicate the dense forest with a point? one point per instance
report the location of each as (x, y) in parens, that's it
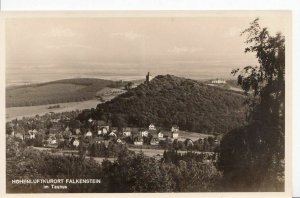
(129, 173)
(168, 100)
(67, 90)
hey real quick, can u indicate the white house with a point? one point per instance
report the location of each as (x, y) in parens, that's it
(144, 133)
(104, 130)
(127, 133)
(152, 127)
(29, 135)
(175, 128)
(138, 141)
(218, 81)
(160, 135)
(76, 143)
(53, 141)
(89, 134)
(175, 135)
(113, 134)
(119, 141)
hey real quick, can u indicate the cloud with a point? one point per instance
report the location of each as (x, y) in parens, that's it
(184, 50)
(128, 35)
(60, 32)
(70, 45)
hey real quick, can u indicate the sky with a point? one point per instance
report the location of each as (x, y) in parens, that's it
(126, 47)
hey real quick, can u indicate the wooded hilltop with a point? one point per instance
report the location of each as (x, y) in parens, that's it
(167, 100)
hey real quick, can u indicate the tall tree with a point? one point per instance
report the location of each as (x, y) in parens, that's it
(252, 157)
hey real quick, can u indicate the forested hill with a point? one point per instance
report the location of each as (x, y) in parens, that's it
(168, 100)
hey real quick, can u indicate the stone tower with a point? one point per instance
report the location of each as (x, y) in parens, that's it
(148, 78)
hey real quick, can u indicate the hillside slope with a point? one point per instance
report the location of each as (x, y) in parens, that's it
(67, 90)
(168, 100)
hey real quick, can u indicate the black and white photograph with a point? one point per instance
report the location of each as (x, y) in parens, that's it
(144, 102)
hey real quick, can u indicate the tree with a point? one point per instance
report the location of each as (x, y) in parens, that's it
(128, 85)
(252, 157)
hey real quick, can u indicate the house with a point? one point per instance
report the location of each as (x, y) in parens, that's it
(119, 141)
(138, 141)
(51, 140)
(99, 140)
(152, 127)
(154, 141)
(103, 130)
(89, 134)
(126, 132)
(217, 142)
(112, 134)
(29, 134)
(19, 135)
(160, 135)
(76, 143)
(218, 81)
(144, 133)
(175, 128)
(114, 129)
(175, 135)
(77, 131)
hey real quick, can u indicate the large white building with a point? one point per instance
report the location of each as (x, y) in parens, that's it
(218, 81)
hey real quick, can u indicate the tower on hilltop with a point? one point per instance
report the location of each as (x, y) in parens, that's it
(148, 77)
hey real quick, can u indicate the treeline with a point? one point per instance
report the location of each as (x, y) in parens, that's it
(129, 173)
(204, 145)
(61, 91)
(168, 100)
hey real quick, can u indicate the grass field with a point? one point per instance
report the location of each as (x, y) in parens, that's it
(193, 136)
(19, 112)
(61, 91)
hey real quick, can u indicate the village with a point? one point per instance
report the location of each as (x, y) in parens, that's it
(62, 130)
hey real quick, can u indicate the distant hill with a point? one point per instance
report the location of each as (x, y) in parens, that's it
(168, 100)
(67, 90)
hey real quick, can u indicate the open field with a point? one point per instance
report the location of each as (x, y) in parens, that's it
(193, 136)
(61, 91)
(19, 112)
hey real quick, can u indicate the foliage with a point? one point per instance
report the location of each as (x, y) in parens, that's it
(252, 157)
(168, 100)
(28, 163)
(138, 173)
(129, 173)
